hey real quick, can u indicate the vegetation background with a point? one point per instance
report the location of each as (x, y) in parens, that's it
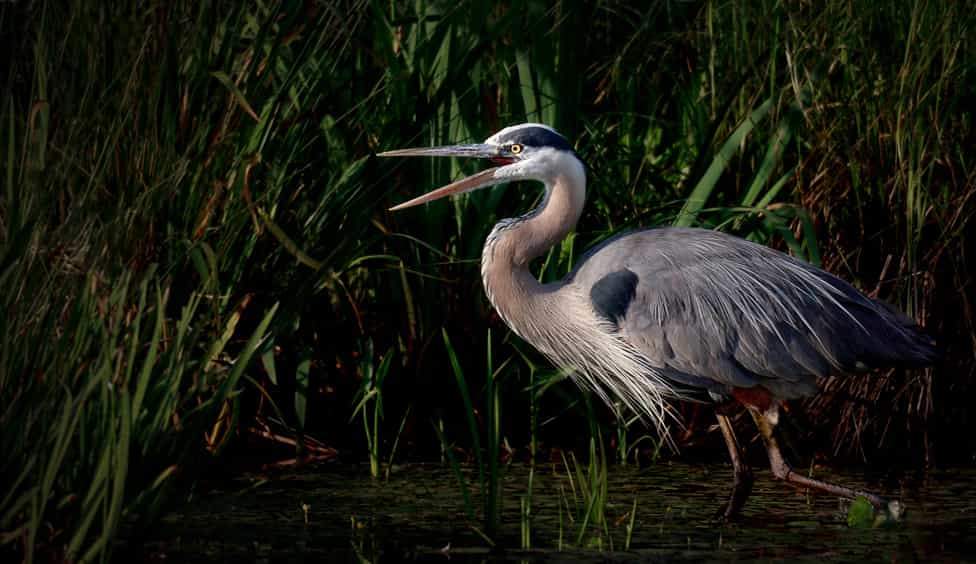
(197, 266)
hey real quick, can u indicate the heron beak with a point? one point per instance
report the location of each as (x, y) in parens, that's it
(482, 179)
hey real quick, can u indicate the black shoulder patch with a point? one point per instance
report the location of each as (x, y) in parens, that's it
(612, 294)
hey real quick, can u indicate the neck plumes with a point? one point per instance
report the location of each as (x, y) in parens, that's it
(558, 318)
(513, 243)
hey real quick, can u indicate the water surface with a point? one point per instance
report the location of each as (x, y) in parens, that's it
(419, 514)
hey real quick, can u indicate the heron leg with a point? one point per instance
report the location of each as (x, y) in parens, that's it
(741, 472)
(766, 421)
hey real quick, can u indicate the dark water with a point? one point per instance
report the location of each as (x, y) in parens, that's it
(418, 514)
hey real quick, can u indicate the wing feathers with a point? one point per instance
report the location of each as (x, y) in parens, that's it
(733, 313)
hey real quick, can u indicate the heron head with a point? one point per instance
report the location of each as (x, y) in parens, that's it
(523, 152)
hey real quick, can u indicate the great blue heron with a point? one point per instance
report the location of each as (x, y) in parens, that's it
(663, 313)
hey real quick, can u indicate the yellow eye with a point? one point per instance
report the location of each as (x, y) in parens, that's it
(515, 149)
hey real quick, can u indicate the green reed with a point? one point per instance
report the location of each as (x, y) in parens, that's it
(369, 401)
(487, 459)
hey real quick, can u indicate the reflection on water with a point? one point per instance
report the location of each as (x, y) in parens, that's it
(419, 514)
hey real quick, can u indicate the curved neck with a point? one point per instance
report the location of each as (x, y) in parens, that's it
(513, 243)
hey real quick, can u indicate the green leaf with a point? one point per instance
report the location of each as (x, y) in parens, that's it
(236, 93)
(700, 194)
(268, 360)
(861, 514)
(301, 385)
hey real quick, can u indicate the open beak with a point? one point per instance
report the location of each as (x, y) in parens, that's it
(480, 180)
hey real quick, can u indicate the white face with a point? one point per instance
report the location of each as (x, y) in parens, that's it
(530, 150)
(539, 163)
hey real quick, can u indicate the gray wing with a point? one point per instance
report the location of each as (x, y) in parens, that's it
(715, 312)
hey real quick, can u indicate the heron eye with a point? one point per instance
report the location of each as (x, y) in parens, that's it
(515, 148)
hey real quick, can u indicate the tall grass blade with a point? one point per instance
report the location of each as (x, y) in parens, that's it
(703, 189)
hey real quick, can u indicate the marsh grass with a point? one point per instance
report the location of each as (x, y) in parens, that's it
(586, 503)
(525, 512)
(369, 402)
(487, 460)
(189, 188)
(158, 229)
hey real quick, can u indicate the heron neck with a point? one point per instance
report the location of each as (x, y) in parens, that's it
(514, 243)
